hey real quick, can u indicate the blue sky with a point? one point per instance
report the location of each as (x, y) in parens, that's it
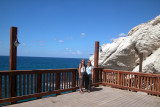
(69, 28)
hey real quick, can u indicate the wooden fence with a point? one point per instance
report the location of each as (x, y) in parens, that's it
(135, 81)
(23, 84)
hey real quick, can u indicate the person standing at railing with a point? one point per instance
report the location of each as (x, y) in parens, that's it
(82, 74)
(89, 70)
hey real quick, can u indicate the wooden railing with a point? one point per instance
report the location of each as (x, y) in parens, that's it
(144, 82)
(23, 84)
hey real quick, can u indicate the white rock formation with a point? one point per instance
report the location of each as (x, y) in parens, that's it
(123, 53)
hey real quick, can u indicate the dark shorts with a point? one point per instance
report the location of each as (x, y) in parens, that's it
(82, 79)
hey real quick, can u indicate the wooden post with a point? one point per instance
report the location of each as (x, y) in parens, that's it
(140, 62)
(13, 49)
(96, 54)
(13, 61)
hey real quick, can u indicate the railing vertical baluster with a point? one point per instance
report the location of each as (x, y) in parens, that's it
(53, 82)
(39, 83)
(141, 82)
(159, 84)
(77, 78)
(47, 81)
(74, 79)
(126, 80)
(135, 81)
(110, 74)
(62, 80)
(113, 78)
(0, 86)
(44, 81)
(129, 80)
(35, 83)
(50, 81)
(106, 77)
(69, 78)
(58, 76)
(24, 84)
(144, 82)
(20, 85)
(65, 80)
(147, 82)
(123, 79)
(31, 83)
(118, 79)
(103, 77)
(100, 75)
(10, 79)
(154, 83)
(115, 82)
(5, 86)
(14, 85)
(27, 83)
(150, 83)
(138, 81)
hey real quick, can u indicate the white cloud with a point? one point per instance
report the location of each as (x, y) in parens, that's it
(60, 41)
(41, 44)
(69, 38)
(112, 39)
(67, 48)
(70, 51)
(79, 52)
(122, 35)
(55, 39)
(83, 35)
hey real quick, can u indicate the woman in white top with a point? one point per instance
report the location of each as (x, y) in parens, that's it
(89, 70)
(82, 74)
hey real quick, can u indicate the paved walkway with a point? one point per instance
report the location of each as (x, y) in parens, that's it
(100, 97)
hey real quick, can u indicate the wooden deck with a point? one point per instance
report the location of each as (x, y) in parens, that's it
(100, 96)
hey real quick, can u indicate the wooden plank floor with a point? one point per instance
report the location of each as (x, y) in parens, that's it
(100, 97)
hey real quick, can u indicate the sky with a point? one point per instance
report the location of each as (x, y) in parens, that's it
(69, 28)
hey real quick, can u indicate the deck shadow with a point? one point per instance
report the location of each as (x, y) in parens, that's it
(96, 89)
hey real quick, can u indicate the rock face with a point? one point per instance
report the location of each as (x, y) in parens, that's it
(123, 53)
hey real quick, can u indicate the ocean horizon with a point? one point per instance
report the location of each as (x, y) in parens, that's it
(34, 63)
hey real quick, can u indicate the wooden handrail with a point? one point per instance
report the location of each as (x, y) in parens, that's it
(145, 82)
(36, 83)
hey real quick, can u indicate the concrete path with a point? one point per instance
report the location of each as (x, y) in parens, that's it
(100, 97)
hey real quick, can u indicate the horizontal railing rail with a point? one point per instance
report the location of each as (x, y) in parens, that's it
(135, 81)
(23, 84)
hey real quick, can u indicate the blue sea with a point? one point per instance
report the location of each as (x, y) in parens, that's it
(33, 63)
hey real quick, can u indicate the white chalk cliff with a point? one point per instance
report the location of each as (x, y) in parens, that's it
(123, 53)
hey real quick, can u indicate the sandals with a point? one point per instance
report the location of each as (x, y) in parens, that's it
(81, 92)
